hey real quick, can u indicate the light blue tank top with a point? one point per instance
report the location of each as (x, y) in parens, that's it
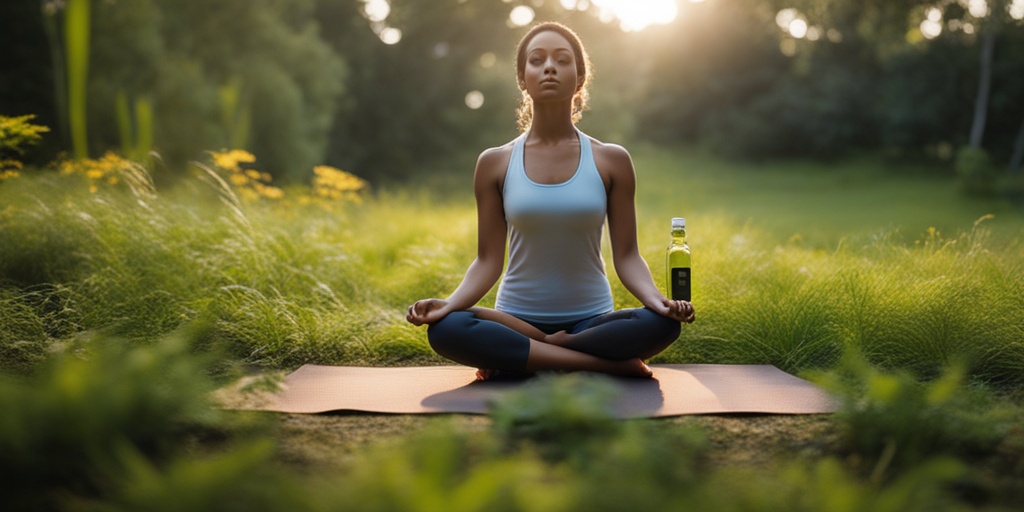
(555, 270)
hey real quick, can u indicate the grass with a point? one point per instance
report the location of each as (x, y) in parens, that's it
(287, 282)
(793, 267)
(820, 205)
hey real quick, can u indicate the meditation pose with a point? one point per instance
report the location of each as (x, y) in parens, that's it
(547, 194)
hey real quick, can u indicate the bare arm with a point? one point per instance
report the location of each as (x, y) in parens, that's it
(629, 264)
(491, 232)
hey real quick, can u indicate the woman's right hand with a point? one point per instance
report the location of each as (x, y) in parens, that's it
(427, 311)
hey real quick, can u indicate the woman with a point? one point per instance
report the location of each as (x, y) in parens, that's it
(548, 192)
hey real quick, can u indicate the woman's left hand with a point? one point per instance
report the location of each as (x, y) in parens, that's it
(679, 310)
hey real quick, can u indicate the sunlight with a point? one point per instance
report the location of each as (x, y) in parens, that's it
(1016, 9)
(390, 35)
(376, 10)
(792, 21)
(635, 15)
(931, 27)
(474, 99)
(978, 8)
(521, 16)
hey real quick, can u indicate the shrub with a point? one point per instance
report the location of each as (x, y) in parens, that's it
(893, 421)
(16, 135)
(64, 430)
(560, 415)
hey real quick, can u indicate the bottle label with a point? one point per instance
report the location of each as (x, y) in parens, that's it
(681, 283)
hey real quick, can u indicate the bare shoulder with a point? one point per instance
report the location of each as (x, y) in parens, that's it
(492, 164)
(612, 160)
(495, 159)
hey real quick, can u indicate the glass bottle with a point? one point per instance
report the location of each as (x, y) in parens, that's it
(677, 263)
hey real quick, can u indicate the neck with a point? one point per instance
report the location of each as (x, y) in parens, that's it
(552, 122)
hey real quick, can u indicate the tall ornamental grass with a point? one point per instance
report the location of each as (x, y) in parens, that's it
(917, 306)
(285, 277)
(281, 282)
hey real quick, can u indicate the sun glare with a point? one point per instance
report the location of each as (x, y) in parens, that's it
(634, 15)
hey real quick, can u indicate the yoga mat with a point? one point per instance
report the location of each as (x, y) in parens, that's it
(675, 390)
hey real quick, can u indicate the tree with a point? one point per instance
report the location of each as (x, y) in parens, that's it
(184, 58)
(406, 105)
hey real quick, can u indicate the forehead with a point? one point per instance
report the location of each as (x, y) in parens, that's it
(550, 41)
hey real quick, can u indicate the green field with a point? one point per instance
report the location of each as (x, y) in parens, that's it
(822, 203)
(878, 280)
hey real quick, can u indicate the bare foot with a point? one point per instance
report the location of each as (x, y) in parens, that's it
(559, 338)
(485, 374)
(634, 368)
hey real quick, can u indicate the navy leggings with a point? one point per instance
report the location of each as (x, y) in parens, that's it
(618, 335)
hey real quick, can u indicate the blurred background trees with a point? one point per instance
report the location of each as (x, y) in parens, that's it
(390, 89)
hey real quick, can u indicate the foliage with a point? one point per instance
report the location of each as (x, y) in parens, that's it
(826, 485)
(143, 264)
(407, 107)
(181, 60)
(241, 477)
(891, 421)
(16, 135)
(817, 116)
(299, 82)
(730, 58)
(560, 415)
(107, 426)
(33, 318)
(62, 429)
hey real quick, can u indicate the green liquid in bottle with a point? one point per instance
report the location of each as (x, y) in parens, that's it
(677, 263)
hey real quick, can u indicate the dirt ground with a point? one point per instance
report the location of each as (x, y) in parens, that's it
(312, 441)
(322, 441)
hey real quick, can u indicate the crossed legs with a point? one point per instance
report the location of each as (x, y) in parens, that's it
(614, 343)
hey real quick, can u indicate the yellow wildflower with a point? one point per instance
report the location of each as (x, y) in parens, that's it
(229, 160)
(249, 184)
(271, 192)
(238, 179)
(106, 169)
(335, 184)
(16, 135)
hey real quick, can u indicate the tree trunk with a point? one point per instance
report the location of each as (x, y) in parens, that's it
(988, 44)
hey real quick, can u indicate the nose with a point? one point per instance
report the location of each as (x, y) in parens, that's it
(549, 65)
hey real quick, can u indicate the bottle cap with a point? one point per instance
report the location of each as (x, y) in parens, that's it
(678, 222)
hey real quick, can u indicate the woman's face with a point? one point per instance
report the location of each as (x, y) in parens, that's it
(550, 70)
